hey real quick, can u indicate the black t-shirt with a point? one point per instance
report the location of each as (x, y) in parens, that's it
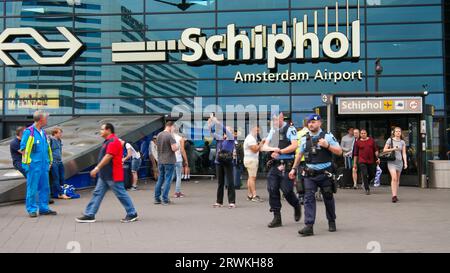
(14, 147)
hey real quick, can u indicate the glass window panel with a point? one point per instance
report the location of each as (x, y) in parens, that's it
(321, 87)
(109, 6)
(180, 88)
(411, 67)
(105, 39)
(305, 104)
(133, 22)
(128, 72)
(262, 103)
(252, 18)
(322, 3)
(39, 73)
(166, 105)
(28, 107)
(38, 90)
(353, 15)
(404, 14)
(400, 2)
(109, 106)
(437, 100)
(402, 32)
(405, 49)
(252, 4)
(408, 84)
(230, 87)
(178, 6)
(38, 7)
(42, 24)
(182, 21)
(179, 71)
(109, 89)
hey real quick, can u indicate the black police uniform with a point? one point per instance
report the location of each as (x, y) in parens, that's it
(314, 179)
(279, 180)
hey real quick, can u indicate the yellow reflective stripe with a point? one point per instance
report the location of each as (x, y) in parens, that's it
(26, 159)
(50, 154)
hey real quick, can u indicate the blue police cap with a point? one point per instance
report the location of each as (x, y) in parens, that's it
(313, 117)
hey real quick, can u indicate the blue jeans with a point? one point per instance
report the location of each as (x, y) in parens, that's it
(18, 166)
(38, 187)
(57, 172)
(178, 168)
(165, 177)
(100, 191)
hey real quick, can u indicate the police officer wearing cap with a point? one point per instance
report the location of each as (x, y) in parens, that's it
(282, 142)
(318, 148)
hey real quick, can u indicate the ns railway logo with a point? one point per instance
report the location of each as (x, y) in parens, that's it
(194, 46)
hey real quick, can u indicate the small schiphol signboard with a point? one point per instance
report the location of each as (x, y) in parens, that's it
(380, 105)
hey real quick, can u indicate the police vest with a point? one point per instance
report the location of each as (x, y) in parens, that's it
(284, 141)
(321, 155)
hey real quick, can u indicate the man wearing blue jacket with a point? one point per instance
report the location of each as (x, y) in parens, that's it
(36, 160)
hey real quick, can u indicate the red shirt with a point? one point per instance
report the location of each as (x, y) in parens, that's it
(365, 151)
(114, 169)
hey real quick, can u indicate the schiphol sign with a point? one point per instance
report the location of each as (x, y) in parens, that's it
(380, 105)
(257, 46)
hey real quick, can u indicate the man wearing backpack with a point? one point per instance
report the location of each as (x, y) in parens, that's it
(36, 161)
(133, 152)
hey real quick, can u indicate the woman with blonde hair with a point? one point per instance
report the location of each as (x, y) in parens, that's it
(396, 143)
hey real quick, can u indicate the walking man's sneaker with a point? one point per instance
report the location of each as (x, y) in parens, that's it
(49, 212)
(85, 219)
(306, 231)
(331, 226)
(157, 202)
(33, 214)
(130, 218)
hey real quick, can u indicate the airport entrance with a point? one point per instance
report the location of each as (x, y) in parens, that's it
(379, 114)
(380, 128)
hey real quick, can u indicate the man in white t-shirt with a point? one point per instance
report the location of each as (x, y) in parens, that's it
(153, 156)
(251, 162)
(135, 162)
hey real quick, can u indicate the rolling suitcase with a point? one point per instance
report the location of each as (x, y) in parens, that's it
(345, 178)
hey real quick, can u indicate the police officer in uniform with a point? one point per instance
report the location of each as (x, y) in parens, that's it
(318, 148)
(282, 142)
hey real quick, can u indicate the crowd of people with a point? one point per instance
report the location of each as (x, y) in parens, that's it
(362, 155)
(300, 163)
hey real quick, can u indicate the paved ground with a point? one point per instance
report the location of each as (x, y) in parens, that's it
(420, 222)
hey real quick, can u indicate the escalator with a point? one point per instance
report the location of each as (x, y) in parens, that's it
(82, 144)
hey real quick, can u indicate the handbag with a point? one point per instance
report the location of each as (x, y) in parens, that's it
(388, 156)
(224, 157)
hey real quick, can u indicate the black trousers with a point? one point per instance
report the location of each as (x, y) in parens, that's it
(276, 181)
(367, 172)
(223, 170)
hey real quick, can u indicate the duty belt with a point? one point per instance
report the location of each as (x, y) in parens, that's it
(287, 162)
(308, 172)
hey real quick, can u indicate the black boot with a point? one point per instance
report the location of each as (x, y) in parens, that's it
(306, 231)
(298, 213)
(276, 222)
(331, 226)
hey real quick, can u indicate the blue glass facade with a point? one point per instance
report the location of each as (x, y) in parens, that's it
(406, 34)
